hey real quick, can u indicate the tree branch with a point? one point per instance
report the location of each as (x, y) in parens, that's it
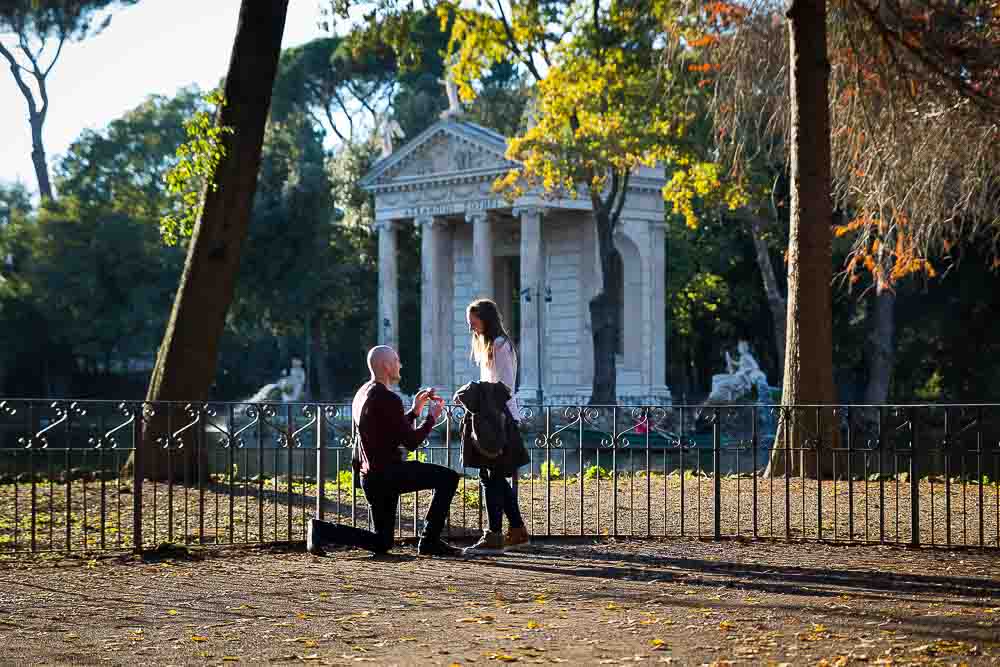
(982, 100)
(36, 72)
(620, 204)
(15, 69)
(528, 59)
(333, 124)
(62, 40)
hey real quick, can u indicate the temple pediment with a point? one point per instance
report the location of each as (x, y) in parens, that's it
(449, 149)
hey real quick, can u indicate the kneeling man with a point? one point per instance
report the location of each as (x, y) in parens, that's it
(383, 428)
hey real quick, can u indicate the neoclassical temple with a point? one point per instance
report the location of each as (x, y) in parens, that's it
(476, 243)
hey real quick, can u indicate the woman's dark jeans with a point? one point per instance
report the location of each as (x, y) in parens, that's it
(500, 500)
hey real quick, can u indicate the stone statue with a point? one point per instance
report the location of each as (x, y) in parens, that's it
(451, 88)
(389, 130)
(293, 386)
(290, 387)
(742, 374)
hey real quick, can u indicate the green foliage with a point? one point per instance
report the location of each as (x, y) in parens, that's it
(596, 472)
(85, 261)
(355, 207)
(197, 160)
(704, 295)
(502, 101)
(604, 106)
(60, 19)
(14, 200)
(470, 498)
(715, 297)
(343, 482)
(345, 479)
(549, 471)
(932, 389)
(334, 80)
(122, 167)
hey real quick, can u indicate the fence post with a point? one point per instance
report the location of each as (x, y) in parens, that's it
(914, 484)
(819, 472)
(753, 451)
(201, 465)
(137, 473)
(716, 472)
(320, 464)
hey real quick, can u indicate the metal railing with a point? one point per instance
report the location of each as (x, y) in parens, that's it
(80, 476)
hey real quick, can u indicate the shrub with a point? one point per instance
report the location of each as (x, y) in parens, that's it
(550, 471)
(344, 482)
(470, 498)
(596, 472)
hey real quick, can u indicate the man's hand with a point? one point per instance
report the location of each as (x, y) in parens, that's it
(420, 400)
(437, 406)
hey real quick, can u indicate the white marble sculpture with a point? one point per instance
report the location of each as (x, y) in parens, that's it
(294, 384)
(389, 130)
(742, 374)
(451, 89)
(291, 386)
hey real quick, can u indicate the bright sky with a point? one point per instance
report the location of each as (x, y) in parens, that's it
(153, 47)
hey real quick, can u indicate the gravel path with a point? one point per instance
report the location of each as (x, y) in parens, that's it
(582, 602)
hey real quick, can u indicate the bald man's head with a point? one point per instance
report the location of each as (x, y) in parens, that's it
(383, 362)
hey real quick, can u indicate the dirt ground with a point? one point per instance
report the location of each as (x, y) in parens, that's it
(98, 515)
(584, 602)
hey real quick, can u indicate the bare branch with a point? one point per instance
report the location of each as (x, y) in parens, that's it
(527, 57)
(15, 69)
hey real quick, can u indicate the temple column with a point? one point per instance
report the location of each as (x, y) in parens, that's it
(658, 316)
(435, 320)
(482, 255)
(388, 285)
(532, 278)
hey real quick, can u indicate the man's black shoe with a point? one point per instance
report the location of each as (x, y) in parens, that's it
(437, 548)
(312, 545)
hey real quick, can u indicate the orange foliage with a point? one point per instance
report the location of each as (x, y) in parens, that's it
(704, 40)
(853, 225)
(886, 265)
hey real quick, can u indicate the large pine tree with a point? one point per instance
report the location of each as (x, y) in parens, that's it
(186, 363)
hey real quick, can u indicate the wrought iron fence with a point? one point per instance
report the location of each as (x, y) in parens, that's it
(79, 476)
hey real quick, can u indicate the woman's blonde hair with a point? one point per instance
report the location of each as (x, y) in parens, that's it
(483, 344)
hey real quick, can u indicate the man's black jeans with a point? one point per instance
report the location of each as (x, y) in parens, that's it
(500, 500)
(382, 489)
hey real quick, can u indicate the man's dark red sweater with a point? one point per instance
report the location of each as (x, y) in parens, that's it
(384, 427)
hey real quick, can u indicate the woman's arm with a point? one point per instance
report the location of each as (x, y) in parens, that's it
(505, 364)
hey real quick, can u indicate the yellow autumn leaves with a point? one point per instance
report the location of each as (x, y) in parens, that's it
(601, 112)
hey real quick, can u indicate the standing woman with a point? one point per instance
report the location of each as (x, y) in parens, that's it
(493, 351)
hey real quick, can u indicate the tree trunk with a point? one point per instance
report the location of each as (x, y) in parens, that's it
(37, 120)
(604, 315)
(320, 359)
(880, 352)
(808, 379)
(36, 115)
(881, 358)
(776, 301)
(186, 362)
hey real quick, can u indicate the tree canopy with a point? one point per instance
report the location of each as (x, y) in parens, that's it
(914, 133)
(32, 36)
